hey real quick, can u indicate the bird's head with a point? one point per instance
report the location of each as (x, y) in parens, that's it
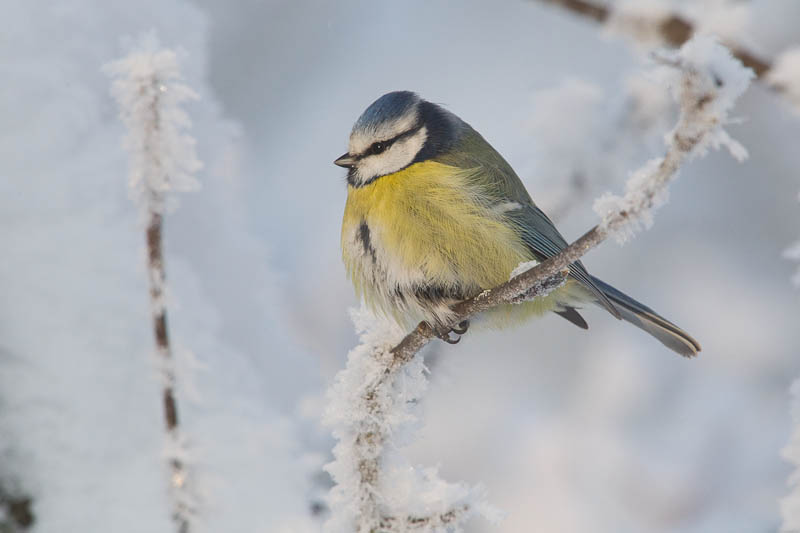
(396, 130)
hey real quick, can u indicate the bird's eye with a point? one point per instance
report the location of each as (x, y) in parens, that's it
(378, 147)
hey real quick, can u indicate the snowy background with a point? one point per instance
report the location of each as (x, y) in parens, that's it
(567, 430)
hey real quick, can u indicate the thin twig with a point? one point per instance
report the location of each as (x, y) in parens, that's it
(698, 123)
(157, 276)
(368, 412)
(157, 271)
(544, 274)
(148, 89)
(674, 30)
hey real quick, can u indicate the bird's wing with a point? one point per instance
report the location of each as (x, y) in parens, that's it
(503, 187)
(544, 240)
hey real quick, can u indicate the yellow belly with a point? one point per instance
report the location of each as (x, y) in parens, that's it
(429, 224)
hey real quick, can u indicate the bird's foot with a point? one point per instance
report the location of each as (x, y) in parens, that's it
(444, 333)
(445, 336)
(461, 327)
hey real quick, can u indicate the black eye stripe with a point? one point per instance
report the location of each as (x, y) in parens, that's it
(379, 147)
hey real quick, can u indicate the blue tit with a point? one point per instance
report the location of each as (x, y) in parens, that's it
(434, 215)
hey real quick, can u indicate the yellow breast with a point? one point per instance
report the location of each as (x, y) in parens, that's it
(428, 224)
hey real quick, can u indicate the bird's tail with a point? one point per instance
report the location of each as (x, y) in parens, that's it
(645, 318)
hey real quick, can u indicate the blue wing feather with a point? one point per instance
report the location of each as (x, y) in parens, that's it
(544, 240)
(502, 185)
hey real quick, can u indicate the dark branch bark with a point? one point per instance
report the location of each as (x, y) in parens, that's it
(548, 274)
(427, 523)
(586, 9)
(139, 88)
(537, 281)
(674, 30)
(155, 256)
(699, 86)
(16, 513)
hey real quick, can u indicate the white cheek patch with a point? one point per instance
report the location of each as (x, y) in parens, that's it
(398, 156)
(361, 140)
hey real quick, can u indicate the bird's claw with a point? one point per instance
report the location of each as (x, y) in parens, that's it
(461, 327)
(458, 330)
(446, 338)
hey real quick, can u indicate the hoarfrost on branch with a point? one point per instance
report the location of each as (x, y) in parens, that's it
(371, 402)
(706, 80)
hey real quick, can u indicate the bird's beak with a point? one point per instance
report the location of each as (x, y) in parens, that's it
(345, 161)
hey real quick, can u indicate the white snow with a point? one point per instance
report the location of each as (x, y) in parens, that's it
(706, 80)
(639, 20)
(522, 267)
(729, 19)
(150, 92)
(568, 431)
(373, 409)
(81, 416)
(651, 105)
(573, 113)
(586, 138)
(790, 505)
(785, 75)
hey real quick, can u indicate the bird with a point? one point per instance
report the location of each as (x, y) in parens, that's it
(434, 215)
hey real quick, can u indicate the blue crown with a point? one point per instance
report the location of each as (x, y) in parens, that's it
(388, 107)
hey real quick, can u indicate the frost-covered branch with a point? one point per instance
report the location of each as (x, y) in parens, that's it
(384, 378)
(670, 28)
(371, 410)
(147, 86)
(642, 22)
(706, 91)
(785, 75)
(706, 81)
(577, 113)
(586, 137)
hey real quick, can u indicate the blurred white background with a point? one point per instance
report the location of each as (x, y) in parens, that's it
(569, 431)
